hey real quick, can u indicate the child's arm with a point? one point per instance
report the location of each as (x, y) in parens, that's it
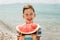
(34, 36)
(38, 37)
(39, 33)
(20, 36)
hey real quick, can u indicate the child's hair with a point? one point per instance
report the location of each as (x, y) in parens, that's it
(28, 7)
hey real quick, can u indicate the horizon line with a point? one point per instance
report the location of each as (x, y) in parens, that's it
(27, 3)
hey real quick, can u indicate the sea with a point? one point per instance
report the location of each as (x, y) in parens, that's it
(47, 16)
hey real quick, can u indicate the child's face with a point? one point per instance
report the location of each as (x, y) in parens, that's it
(29, 14)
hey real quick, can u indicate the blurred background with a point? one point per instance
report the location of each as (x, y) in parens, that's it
(47, 15)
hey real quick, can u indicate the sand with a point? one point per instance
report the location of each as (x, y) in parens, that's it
(50, 31)
(6, 34)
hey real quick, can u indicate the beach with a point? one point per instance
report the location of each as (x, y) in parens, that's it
(47, 16)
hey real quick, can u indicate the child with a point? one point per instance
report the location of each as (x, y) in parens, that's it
(29, 15)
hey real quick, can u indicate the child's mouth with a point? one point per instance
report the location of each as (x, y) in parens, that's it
(29, 19)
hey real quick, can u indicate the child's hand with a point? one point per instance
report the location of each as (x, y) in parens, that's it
(34, 35)
(20, 36)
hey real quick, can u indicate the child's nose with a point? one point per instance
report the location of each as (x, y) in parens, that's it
(29, 16)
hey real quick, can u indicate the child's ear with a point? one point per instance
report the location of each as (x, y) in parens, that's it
(34, 15)
(23, 16)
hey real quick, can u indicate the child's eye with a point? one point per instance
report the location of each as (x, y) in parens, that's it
(26, 14)
(29, 14)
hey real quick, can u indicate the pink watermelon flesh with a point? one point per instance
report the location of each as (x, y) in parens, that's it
(26, 29)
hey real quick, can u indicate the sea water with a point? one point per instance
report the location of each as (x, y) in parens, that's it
(47, 15)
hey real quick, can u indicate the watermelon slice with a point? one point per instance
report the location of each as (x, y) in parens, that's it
(28, 28)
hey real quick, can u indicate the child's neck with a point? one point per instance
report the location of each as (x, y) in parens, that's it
(29, 22)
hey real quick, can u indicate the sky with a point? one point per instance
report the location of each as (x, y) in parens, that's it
(30, 1)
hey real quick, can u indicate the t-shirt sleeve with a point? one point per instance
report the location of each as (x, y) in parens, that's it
(39, 31)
